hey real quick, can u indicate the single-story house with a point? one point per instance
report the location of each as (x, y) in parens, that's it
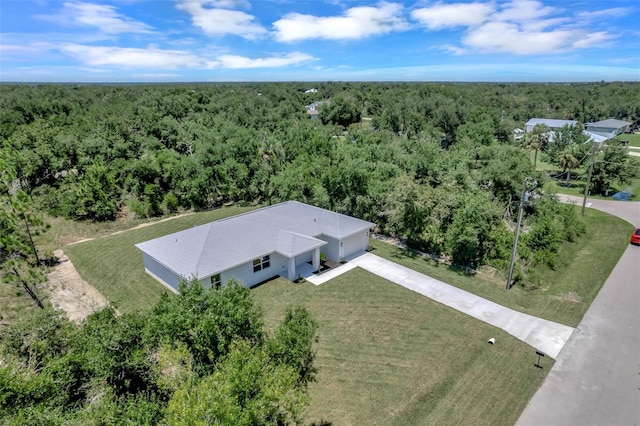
(255, 246)
(609, 128)
(551, 123)
(313, 109)
(591, 137)
(556, 125)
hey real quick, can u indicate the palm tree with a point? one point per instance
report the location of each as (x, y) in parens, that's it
(537, 140)
(568, 162)
(540, 139)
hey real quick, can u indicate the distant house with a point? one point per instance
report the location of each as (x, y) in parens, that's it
(282, 239)
(313, 109)
(518, 134)
(609, 128)
(556, 125)
(551, 123)
(311, 91)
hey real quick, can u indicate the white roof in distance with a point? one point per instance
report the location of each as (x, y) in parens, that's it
(289, 228)
(551, 122)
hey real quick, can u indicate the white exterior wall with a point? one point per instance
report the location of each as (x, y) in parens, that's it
(278, 265)
(355, 243)
(331, 249)
(161, 273)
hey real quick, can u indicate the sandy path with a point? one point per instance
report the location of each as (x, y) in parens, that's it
(70, 293)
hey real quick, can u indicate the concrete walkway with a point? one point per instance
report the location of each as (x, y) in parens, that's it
(307, 272)
(596, 378)
(546, 336)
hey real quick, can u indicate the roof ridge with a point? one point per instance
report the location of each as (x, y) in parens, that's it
(204, 244)
(297, 234)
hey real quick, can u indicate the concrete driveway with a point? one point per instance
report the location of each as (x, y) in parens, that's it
(596, 377)
(546, 336)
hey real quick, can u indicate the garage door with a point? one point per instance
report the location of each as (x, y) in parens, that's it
(355, 244)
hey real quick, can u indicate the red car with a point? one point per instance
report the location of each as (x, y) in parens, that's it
(635, 237)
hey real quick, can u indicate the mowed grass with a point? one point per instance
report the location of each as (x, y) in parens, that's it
(565, 293)
(632, 138)
(389, 356)
(114, 266)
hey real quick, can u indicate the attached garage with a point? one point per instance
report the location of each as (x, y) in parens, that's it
(355, 244)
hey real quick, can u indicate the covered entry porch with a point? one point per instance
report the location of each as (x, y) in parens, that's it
(299, 250)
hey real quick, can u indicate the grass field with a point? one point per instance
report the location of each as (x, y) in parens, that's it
(388, 356)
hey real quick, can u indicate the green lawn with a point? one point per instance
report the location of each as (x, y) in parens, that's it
(632, 138)
(389, 356)
(566, 292)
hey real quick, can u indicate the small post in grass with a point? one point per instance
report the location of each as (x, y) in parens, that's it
(540, 355)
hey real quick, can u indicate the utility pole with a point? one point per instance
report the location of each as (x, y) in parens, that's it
(586, 188)
(523, 198)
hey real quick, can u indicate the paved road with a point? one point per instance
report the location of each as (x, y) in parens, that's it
(546, 336)
(596, 377)
(627, 210)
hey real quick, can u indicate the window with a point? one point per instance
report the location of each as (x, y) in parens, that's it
(261, 263)
(216, 281)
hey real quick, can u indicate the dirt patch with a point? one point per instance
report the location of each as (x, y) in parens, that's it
(69, 292)
(572, 296)
(144, 225)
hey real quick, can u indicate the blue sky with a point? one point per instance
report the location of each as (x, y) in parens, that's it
(315, 40)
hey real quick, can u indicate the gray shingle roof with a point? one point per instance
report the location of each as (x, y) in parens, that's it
(288, 228)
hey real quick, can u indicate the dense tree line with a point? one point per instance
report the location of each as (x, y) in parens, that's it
(435, 163)
(202, 357)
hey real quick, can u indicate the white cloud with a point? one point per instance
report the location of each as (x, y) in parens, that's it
(508, 37)
(356, 23)
(130, 57)
(215, 17)
(242, 62)
(453, 15)
(449, 48)
(103, 17)
(523, 11)
(615, 12)
(521, 27)
(154, 58)
(593, 39)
